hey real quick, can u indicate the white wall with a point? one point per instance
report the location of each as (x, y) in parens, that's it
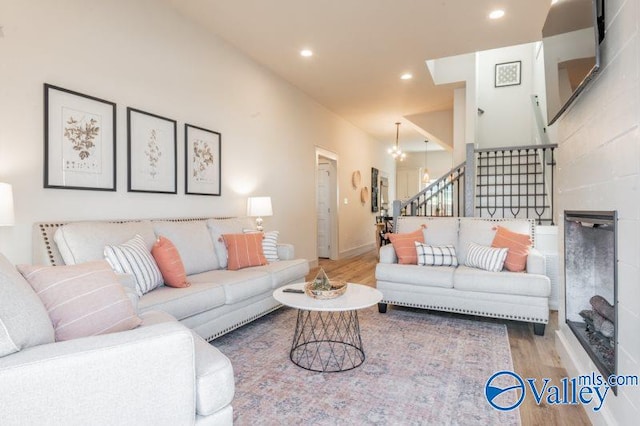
(439, 124)
(558, 49)
(543, 134)
(459, 137)
(438, 162)
(142, 54)
(455, 69)
(599, 169)
(508, 115)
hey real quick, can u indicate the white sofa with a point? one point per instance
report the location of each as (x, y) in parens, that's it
(218, 300)
(160, 373)
(163, 372)
(522, 296)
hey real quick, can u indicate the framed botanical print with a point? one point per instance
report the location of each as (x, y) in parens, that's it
(79, 141)
(202, 161)
(151, 149)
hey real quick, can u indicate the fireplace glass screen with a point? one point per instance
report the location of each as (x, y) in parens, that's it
(591, 284)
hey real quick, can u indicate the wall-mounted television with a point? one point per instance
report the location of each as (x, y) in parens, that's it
(571, 39)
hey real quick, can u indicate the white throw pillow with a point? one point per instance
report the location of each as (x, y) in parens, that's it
(270, 246)
(133, 257)
(487, 258)
(436, 255)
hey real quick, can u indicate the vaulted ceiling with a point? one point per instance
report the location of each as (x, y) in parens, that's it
(362, 47)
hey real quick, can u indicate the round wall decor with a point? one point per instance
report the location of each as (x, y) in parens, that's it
(364, 194)
(355, 179)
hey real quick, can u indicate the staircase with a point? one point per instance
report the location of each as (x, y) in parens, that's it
(510, 182)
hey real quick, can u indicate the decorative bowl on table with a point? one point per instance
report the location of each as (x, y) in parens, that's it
(334, 289)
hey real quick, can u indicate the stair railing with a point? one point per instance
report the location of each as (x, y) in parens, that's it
(509, 182)
(514, 182)
(443, 197)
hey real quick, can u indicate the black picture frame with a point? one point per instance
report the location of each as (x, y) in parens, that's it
(151, 153)
(374, 190)
(508, 74)
(202, 161)
(79, 141)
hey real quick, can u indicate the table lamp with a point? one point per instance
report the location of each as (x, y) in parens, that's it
(258, 207)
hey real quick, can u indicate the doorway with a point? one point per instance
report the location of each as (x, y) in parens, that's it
(326, 204)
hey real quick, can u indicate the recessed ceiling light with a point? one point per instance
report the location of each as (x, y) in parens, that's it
(306, 53)
(406, 76)
(554, 1)
(496, 14)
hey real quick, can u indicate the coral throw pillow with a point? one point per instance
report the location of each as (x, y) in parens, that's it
(244, 250)
(518, 245)
(82, 300)
(169, 263)
(405, 247)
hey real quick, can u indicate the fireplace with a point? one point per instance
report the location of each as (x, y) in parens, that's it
(591, 293)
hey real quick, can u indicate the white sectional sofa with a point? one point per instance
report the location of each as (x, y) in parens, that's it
(158, 373)
(218, 300)
(522, 296)
(163, 371)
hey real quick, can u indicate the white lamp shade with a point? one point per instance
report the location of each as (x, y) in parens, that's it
(6, 205)
(259, 206)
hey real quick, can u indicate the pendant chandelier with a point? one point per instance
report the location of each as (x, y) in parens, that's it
(425, 172)
(395, 151)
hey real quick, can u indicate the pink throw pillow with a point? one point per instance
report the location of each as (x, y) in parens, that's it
(405, 247)
(170, 263)
(82, 300)
(244, 250)
(518, 245)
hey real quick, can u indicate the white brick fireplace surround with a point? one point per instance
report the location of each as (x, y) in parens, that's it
(599, 169)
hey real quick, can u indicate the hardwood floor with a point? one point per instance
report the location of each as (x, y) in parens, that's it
(533, 356)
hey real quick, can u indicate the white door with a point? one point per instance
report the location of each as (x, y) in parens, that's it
(323, 208)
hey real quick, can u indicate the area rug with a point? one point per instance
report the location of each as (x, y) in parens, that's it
(420, 368)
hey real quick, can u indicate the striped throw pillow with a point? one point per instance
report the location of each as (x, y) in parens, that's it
(487, 258)
(436, 255)
(404, 246)
(82, 300)
(270, 246)
(133, 257)
(518, 245)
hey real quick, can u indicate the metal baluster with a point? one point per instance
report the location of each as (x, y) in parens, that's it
(479, 184)
(540, 209)
(527, 180)
(511, 183)
(492, 210)
(553, 165)
(502, 177)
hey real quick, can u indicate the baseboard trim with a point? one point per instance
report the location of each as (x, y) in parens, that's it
(356, 251)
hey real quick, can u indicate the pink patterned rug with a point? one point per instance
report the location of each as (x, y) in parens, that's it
(420, 368)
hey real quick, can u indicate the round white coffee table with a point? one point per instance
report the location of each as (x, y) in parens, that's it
(327, 335)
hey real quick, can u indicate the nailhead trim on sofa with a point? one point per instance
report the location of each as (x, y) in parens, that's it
(466, 311)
